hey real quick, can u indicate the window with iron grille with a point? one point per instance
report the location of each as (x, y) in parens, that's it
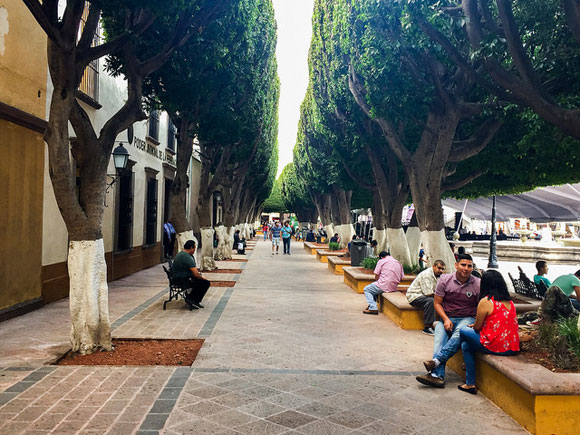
(171, 131)
(90, 81)
(153, 132)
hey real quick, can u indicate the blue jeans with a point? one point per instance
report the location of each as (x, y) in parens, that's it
(265, 235)
(372, 291)
(470, 343)
(446, 344)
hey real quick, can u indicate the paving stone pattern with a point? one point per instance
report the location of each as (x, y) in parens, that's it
(287, 350)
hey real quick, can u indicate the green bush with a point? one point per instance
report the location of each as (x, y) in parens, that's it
(333, 246)
(557, 344)
(411, 269)
(568, 328)
(370, 263)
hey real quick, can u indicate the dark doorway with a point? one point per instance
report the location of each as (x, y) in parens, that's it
(125, 211)
(151, 212)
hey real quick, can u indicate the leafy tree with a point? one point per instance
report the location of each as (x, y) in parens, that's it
(296, 196)
(70, 50)
(275, 202)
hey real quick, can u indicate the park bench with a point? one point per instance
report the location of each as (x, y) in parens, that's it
(399, 310)
(177, 288)
(526, 287)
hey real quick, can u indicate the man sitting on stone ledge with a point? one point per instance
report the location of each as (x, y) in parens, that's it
(185, 271)
(570, 286)
(420, 293)
(388, 274)
(456, 298)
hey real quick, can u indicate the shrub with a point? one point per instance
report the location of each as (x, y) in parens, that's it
(370, 263)
(333, 246)
(556, 343)
(568, 328)
(412, 269)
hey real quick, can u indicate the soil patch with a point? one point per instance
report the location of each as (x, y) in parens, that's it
(535, 353)
(224, 271)
(367, 271)
(222, 283)
(133, 352)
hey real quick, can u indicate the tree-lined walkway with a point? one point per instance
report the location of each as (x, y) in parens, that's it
(287, 350)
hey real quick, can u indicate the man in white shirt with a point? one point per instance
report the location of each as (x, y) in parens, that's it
(421, 291)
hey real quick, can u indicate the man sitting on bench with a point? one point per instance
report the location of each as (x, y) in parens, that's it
(185, 271)
(421, 292)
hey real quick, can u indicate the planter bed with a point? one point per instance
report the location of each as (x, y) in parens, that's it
(336, 264)
(311, 247)
(356, 279)
(323, 254)
(541, 401)
(395, 306)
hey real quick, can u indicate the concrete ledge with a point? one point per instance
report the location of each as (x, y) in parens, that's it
(356, 279)
(311, 247)
(336, 264)
(541, 401)
(323, 254)
(395, 306)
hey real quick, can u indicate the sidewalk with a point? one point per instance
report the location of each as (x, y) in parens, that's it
(287, 350)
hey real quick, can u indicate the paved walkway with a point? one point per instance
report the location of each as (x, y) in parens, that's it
(287, 350)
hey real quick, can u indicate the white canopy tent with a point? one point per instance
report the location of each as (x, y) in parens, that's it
(546, 204)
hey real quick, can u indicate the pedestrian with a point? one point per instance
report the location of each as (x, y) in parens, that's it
(169, 235)
(286, 237)
(275, 237)
(265, 230)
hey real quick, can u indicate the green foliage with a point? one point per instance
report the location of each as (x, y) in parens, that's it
(568, 328)
(370, 263)
(275, 203)
(550, 338)
(334, 246)
(412, 269)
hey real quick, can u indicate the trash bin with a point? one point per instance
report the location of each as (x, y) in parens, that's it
(358, 252)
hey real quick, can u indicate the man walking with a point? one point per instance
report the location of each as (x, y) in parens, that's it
(286, 235)
(388, 274)
(421, 291)
(456, 298)
(185, 270)
(275, 237)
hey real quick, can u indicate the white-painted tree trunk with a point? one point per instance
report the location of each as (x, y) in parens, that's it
(398, 245)
(381, 237)
(89, 296)
(222, 235)
(329, 231)
(247, 231)
(230, 243)
(437, 248)
(206, 252)
(345, 232)
(414, 241)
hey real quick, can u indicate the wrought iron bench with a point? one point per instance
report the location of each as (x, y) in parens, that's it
(177, 288)
(526, 287)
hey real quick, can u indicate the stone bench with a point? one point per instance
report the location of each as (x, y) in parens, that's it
(356, 279)
(323, 254)
(395, 306)
(311, 247)
(336, 264)
(540, 400)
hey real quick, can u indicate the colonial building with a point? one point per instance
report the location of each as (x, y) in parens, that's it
(34, 241)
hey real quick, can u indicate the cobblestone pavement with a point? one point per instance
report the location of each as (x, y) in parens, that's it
(287, 350)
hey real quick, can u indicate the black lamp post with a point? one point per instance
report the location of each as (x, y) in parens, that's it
(492, 263)
(120, 159)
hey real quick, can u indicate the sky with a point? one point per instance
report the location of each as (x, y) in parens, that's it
(293, 18)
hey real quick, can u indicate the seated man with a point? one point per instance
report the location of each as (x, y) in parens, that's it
(388, 275)
(542, 268)
(456, 299)
(570, 286)
(421, 291)
(335, 238)
(185, 271)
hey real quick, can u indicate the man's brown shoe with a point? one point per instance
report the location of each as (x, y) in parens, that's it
(429, 365)
(367, 311)
(431, 381)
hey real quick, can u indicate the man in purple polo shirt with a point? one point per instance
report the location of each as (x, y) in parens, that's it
(456, 298)
(388, 274)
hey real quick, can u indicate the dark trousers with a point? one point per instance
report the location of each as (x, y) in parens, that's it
(198, 289)
(286, 245)
(426, 303)
(168, 244)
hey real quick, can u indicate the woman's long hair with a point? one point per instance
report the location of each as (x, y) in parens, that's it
(493, 284)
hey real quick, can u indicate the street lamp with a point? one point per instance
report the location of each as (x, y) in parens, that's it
(492, 263)
(120, 159)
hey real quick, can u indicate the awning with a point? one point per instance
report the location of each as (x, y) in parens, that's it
(546, 204)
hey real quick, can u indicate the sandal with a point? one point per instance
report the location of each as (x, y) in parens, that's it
(470, 390)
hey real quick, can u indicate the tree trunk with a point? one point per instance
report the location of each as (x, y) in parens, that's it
(414, 239)
(206, 249)
(180, 184)
(222, 235)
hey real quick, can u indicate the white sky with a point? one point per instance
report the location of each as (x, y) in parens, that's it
(294, 18)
